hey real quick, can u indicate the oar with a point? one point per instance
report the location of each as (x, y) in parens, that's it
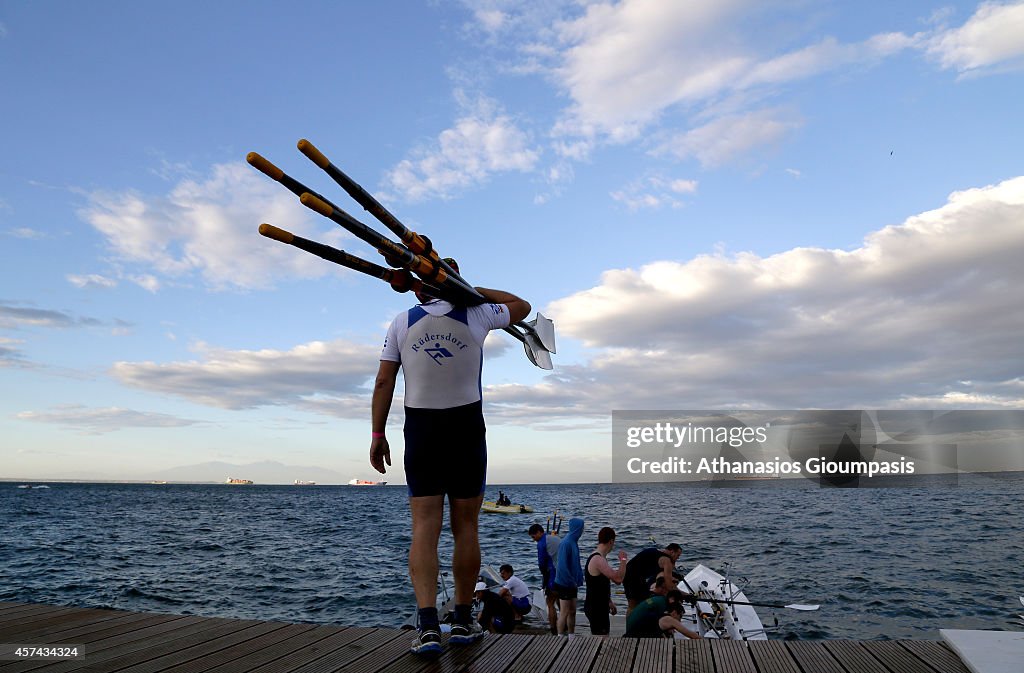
(794, 606)
(418, 264)
(541, 327)
(418, 244)
(399, 253)
(399, 279)
(463, 293)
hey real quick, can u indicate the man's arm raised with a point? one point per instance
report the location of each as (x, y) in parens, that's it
(518, 309)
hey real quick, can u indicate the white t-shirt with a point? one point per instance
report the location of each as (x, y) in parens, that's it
(440, 348)
(517, 587)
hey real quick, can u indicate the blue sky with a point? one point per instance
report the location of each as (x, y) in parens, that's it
(726, 204)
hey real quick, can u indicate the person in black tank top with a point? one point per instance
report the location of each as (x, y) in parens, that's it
(644, 568)
(599, 576)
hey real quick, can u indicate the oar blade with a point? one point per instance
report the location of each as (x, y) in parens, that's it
(545, 331)
(1022, 600)
(804, 608)
(536, 352)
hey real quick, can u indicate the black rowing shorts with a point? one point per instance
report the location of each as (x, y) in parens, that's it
(446, 451)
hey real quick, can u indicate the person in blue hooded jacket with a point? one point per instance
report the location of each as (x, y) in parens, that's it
(569, 576)
(547, 553)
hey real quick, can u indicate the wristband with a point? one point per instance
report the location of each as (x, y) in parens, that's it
(376, 435)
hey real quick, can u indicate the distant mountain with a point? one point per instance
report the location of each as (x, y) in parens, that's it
(265, 472)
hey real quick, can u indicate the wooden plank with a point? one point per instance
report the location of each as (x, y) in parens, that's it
(92, 635)
(130, 642)
(772, 655)
(812, 656)
(232, 655)
(305, 648)
(653, 655)
(179, 653)
(694, 656)
(539, 655)
(16, 607)
(577, 656)
(854, 657)
(75, 634)
(937, 655)
(732, 656)
(896, 658)
(385, 645)
(135, 640)
(499, 657)
(52, 621)
(454, 657)
(16, 615)
(616, 655)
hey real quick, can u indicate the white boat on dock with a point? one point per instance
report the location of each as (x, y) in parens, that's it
(709, 618)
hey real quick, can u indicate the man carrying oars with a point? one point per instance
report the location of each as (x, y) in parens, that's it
(439, 347)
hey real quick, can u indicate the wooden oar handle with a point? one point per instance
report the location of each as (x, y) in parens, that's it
(270, 231)
(315, 155)
(263, 166)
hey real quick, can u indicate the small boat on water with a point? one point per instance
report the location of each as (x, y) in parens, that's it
(491, 507)
(33, 486)
(232, 480)
(364, 482)
(299, 482)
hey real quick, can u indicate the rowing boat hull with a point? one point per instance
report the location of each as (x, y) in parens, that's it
(739, 622)
(745, 623)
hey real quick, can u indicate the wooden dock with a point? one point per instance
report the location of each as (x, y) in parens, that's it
(133, 642)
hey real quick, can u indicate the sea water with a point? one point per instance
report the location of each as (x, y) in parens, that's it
(881, 562)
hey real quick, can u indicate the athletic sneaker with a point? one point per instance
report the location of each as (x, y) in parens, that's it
(464, 634)
(427, 642)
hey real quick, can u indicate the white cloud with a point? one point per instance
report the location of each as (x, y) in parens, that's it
(26, 233)
(304, 376)
(95, 421)
(993, 35)
(146, 282)
(653, 191)
(921, 314)
(925, 310)
(208, 228)
(13, 316)
(683, 186)
(90, 280)
(627, 65)
(825, 55)
(482, 142)
(491, 19)
(10, 352)
(726, 138)
(496, 345)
